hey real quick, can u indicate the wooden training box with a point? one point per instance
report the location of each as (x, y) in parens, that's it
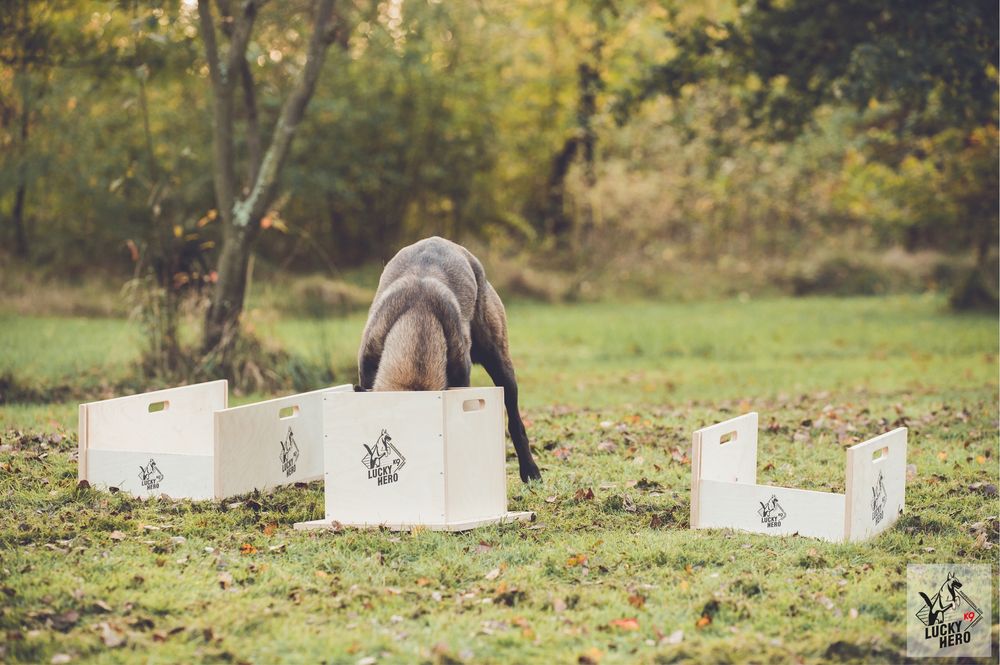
(402, 460)
(185, 443)
(725, 493)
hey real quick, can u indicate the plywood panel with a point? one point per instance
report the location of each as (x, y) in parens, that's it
(145, 474)
(726, 452)
(475, 469)
(384, 457)
(771, 510)
(184, 425)
(876, 488)
(271, 443)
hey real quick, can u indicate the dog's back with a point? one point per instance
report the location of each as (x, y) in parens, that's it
(434, 314)
(418, 324)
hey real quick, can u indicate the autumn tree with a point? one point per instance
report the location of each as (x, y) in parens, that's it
(243, 201)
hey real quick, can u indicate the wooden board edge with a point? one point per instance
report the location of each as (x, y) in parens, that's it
(216, 467)
(507, 518)
(695, 479)
(82, 443)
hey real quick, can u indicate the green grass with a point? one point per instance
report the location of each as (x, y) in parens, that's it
(177, 586)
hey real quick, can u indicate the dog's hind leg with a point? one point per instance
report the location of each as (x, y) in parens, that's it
(489, 349)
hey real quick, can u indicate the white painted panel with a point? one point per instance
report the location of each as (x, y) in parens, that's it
(475, 469)
(771, 510)
(185, 426)
(145, 474)
(733, 460)
(410, 462)
(271, 443)
(876, 488)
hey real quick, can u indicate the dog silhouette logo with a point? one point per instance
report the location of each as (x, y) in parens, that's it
(879, 498)
(949, 615)
(289, 453)
(383, 460)
(150, 475)
(771, 513)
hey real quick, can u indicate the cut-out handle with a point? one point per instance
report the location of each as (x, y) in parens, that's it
(880, 454)
(727, 437)
(473, 405)
(288, 412)
(159, 406)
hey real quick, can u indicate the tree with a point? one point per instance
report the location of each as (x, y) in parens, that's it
(932, 67)
(242, 209)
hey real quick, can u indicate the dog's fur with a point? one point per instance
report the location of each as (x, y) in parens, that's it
(434, 314)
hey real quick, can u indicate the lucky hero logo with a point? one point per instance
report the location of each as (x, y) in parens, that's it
(383, 460)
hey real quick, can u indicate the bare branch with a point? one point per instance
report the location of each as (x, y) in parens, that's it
(211, 47)
(255, 205)
(223, 173)
(253, 122)
(240, 38)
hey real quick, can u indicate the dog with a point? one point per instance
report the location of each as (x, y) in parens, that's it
(433, 315)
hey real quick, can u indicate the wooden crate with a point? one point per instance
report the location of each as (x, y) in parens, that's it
(185, 443)
(725, 493)
(415, 459)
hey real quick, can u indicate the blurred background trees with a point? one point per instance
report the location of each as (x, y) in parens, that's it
(587, 147)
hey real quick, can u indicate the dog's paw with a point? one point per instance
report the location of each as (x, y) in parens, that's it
(530, 472)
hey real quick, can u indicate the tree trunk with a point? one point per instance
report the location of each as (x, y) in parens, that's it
(241, 215)
(17, 219)
(17, 214)
(222, 321)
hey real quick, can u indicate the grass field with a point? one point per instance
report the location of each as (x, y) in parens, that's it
(611, 394)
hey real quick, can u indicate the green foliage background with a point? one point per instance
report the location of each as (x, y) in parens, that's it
(745, 129)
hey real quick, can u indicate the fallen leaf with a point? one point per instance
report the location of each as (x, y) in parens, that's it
(675, 637)
(911, 472)
(607, 446)
(270, 528)
(66, 620)
(591, 656)
(576, 560)
(247, 548)
(61, 659)
(111, 636)
(584, 494)
(702, 622)
(117, 535)
(630, 623)
(225, 580)
(493, 574)
(637, 600)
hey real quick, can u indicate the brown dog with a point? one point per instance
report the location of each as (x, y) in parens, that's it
(434, 314)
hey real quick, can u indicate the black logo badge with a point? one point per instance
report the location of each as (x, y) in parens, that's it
(150, 475)
(289, 453)
(949, 615)
(383, 460)
(771, 513)
(879, 499)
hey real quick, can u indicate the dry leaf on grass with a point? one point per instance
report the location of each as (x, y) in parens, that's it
(628, 623)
